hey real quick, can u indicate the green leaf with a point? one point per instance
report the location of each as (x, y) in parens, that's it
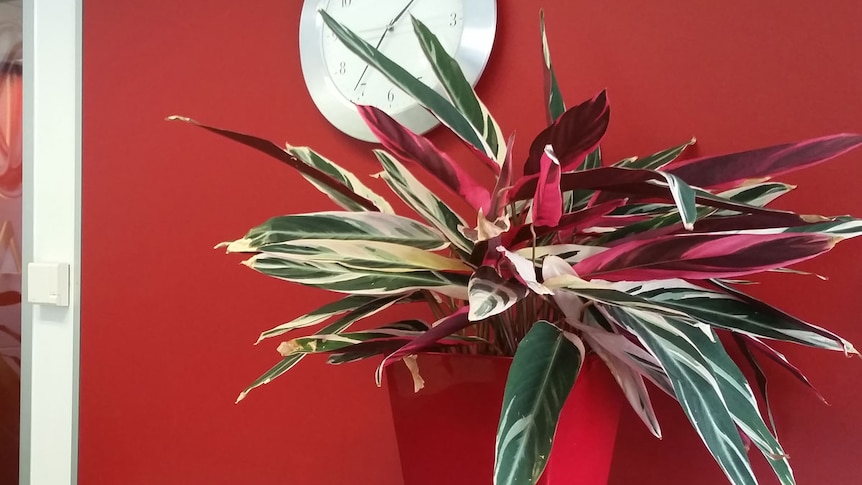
(345, 177)
(696, 382)
(342, 279)
(658, 160)
(337, 307)
(554, 98)
(684, 198)
(445, 111)
(283, 366)
(543, 373)
(374, 255)
(460, 91)
(490, 295)
(424, 202)
(343, 226)
(725, 311)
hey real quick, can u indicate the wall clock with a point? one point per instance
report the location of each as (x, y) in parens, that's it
(337, 79)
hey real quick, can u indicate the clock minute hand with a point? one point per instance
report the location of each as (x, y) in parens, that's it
(385, 31)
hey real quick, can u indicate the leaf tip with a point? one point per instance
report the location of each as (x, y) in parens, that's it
(241, 396)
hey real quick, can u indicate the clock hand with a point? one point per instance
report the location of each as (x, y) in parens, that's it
(386, 31)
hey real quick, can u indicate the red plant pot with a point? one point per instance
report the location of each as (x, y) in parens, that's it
(446, 432)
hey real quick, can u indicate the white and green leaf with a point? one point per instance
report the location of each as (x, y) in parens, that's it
(424, 202)
(542, 374)
(278, 369)
(656, 161)
(337, 225)
(442, 108)
(374, 255)
(490, 295)
(554, 104)
(461, 92)
(342, 279)
(345, 177)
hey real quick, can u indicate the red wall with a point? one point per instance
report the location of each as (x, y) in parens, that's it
(168, 323)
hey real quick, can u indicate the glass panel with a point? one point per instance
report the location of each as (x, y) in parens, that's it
(10, 236)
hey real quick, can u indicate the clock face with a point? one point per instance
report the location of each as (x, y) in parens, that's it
(371, 20)
(338, 80)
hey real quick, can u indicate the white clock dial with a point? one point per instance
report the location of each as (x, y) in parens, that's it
(337, 79)
(370, 19)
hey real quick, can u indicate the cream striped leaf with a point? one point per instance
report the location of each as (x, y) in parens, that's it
(323, 313)
(314, 159)
(337, 225)
(378, 256)
(342, 279)
(658, 160)
(283, 366)
(542, 374)
(699, 384)
(424, 202)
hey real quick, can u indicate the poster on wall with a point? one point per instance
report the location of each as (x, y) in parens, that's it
(11, 142)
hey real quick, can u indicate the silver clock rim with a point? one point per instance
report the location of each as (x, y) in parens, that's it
(474, 50)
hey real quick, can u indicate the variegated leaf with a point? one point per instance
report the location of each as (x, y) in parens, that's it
(728, 312)
(554, 104)
(656, 161)
(356, 307)
(424, 202)
(679, 349)
(283, 366)
(345, 226)
(490, 295)
(542, 374)
(320, 177)
(547, 208)
(759, 195)
(314, 159)
(442, 108)
(341, 279)
(524, 270)
(461, 92)
(570, 253)
(374, 255)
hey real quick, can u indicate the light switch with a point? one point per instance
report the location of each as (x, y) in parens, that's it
(48, 283)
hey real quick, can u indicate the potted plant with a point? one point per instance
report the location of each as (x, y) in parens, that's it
(636, 262)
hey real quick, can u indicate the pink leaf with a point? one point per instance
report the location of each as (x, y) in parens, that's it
(575, 134)
(441, 329)
(568, 223)
(548, 200)
(725, 171)
(504, 183)
(702, 256)
(415, 148)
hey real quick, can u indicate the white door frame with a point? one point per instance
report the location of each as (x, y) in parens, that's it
(51, 233)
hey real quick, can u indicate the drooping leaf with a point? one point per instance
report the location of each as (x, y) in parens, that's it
(702, 256)
(460, 91)
(542, 374)
(695, 385)
(441, 107)
(548, 200)
(338, 307)
(725, 171)
(424, 202)
(342, 226)
(726, 311)
(780, 359)
(554, 104)
(415, 148)
(490, 295)
(441, 329)
(283, 366)
(314, 159)
(575, 134)
(656, 161)
(342, 279)
(320, 177)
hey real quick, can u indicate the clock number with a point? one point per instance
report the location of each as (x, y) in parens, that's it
(453, 19)
(342, 68)
(346, 3)
(390, 96)
(361, 89)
